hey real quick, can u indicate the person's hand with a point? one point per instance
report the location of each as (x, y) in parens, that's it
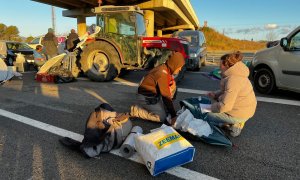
(211, 95)
(173, 120)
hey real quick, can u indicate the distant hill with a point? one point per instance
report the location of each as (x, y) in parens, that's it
(218, 41)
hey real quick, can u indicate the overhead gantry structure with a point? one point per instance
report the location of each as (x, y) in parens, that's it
(161, 15)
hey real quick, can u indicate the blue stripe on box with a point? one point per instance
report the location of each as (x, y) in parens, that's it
(177, 159)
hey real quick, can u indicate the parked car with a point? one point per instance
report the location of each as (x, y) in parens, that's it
(10, 48)
(272, 43)
(197, 48)
(278, 66)
(61, 43)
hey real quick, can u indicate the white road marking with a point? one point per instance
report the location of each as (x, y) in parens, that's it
(55, 108)
(279, 101)
(128, 84)
(202, 92)
(177, 171)
(193, 91)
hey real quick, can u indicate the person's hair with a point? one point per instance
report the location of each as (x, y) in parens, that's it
(230, 59)
(50, 30)
(38, 47)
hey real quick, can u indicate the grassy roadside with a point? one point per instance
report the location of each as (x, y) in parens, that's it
(219, 42)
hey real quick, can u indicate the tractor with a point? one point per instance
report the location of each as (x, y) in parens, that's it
(121, 45)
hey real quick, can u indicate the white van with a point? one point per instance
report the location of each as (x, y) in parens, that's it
(278, 66)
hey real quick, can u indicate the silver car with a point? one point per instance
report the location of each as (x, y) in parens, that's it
(278, 66)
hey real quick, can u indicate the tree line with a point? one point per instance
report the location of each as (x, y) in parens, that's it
(11, 33)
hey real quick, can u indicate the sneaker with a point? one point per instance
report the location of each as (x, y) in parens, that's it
(236, 129)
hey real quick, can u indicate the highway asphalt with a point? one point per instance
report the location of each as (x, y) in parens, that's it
(268, 147)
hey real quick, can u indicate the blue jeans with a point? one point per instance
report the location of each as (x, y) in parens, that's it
(220, 119)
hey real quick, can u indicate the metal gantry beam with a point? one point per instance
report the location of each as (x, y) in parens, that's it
(76, 4)
(91, 2)
(167, 13)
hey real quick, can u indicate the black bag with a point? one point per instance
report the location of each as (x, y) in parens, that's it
(62, 79)
(61, 74)
(217, 137)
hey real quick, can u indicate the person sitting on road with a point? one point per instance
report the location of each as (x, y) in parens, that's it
(235, 101)
(39, 57)
(156, 91)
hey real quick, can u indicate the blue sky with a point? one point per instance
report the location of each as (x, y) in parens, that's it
(247, 19)
(241, 19)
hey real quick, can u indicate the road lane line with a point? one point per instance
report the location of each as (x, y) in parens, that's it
(55, 108)
(278, 101)
(202, 92)
(177, 171)
(193, 91)
(132, 84)
(41, 125)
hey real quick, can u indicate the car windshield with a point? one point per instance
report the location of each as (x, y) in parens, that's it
(35, 41)
(17, 46)
(193, 39)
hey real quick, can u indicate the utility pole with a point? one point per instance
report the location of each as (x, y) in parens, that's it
(53, 19)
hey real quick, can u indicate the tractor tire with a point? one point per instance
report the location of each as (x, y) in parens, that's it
(100, 61)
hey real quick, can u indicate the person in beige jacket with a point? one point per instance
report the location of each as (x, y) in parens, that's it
(235, 101)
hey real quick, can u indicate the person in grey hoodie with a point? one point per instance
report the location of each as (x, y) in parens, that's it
(50, 44)
(235, 101)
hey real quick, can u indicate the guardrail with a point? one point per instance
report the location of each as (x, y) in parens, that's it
(214, 56)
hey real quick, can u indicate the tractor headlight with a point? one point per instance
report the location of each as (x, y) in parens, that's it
(193, 55)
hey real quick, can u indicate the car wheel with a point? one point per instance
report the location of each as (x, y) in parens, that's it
(264, 81)
(203, 61)
(10, 61)
(198, 65)
(100, 61)
(26, 66)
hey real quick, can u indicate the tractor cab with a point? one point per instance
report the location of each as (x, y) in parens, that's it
(123, 26)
